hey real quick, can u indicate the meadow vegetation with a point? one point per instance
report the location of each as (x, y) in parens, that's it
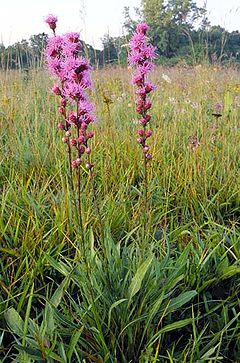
(168, 294)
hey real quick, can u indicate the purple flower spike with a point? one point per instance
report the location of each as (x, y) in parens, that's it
(73, 73)
(141, 58)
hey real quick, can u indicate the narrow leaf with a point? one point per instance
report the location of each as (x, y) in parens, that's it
(112, 307)
(14, 321)
(173, 326)
(138, 278)
(58, 294)
(73, 342)
(180, 300)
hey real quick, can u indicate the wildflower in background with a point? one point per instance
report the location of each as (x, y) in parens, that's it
(218, 108)
(217, 113)
(194, 142)
(172, 100)
(194, 105)
(166, 78)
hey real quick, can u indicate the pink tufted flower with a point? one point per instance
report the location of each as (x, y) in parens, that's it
(51, 20)
(142, 28)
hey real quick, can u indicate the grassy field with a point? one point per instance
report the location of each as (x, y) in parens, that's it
(168, 294)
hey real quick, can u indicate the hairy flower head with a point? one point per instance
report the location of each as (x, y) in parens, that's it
(51, 20)
(142, 28)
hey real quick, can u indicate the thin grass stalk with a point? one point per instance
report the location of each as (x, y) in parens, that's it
(145, 190)
(95, 200)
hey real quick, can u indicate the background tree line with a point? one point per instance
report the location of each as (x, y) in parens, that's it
(180, 31)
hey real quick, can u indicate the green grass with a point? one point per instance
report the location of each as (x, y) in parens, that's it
(171, 295)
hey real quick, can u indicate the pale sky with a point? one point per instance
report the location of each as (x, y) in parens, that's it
(93, 18)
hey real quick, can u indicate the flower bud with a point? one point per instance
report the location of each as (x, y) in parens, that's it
(90, 135)
(56, 90)
(149, 87)
(88, 119)
(142, 28)
(145, 120)
(51, 20)
(64, 139)
(72, 117)
(147, 117)
(141, 132)
(61, 126)
(61, 110)
(142, 92)
(73, 142)
(81, 139)
(75, 164)
(148, 133)
(140, 102)
(89, 166)
(83, 126)
(138, 80)
(63, 102)
(81, 149)
(148, 156)
(147, 105)
(139, 109)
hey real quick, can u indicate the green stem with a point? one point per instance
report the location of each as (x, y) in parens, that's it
(145, 195)
(70, 166)
(145, 175)
(95, 201)
(79, 189)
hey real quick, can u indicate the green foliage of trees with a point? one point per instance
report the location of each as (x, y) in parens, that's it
(114, 50)
(181, 31)
(23, 54)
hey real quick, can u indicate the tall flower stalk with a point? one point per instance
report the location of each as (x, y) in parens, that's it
(141, 57)
(73, 80)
